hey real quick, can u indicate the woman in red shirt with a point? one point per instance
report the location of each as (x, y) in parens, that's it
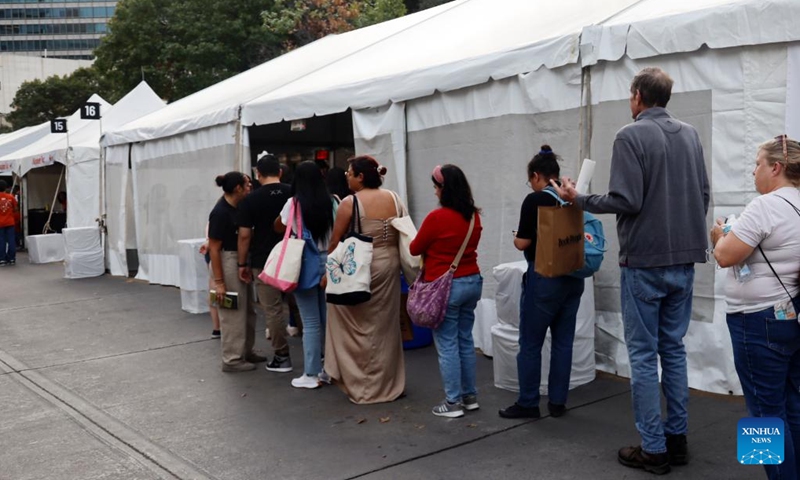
(439, 239)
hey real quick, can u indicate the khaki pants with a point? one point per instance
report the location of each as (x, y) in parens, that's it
(271, 302)
(238, 327)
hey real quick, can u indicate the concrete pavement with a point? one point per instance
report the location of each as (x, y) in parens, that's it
(107, 378)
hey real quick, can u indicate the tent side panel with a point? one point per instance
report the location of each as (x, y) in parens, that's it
(174, 191)
(119, 214)
(381, 133)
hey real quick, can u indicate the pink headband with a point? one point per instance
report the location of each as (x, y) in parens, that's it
(437, 174)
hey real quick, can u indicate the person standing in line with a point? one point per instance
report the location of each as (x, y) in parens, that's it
(363, 343)
(316, 207)
(256, 216)
(546, 303)
(763, 306)
(336, 180)
(212, 310)
(439, 240)
(8, 242)
(659, 191)
(238, 326)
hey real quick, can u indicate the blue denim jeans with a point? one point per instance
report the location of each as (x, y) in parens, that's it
(313, 311)
(546, 303)
(656, 309)
(453, 338)
(766, 353)
(8, 244)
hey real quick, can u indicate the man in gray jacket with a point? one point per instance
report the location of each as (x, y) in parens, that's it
(659, 191)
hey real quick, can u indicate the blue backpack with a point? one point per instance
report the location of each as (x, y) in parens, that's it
(594, 241)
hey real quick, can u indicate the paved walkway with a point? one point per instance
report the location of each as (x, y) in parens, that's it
(107, 378)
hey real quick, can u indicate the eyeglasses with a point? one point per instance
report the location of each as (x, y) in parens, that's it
(783, 138)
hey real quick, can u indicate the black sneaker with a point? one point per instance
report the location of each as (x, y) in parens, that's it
(635, 457)
(518, 411)
(3, 263)
(677, 449)
(280, 364)
(12, 262)
(556, 410)
(215, 334)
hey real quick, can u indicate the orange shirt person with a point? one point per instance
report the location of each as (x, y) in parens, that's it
(8, 243)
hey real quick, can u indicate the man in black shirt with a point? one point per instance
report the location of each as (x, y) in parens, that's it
(257, 236)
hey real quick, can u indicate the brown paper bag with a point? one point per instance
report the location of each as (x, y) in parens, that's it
(559, 241)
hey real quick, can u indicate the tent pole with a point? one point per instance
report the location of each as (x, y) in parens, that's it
(585, 116)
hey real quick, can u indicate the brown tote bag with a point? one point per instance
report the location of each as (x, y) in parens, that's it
(559, 240)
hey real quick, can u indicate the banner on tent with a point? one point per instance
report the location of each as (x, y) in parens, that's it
(7, 166)
(43, 160)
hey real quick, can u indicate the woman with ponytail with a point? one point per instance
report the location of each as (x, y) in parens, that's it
(546, 303)
(363, 345)
(237, 325)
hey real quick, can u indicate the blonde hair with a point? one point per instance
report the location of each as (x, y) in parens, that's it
(785, 151)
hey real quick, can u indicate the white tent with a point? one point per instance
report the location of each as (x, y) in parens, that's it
(183, 147)
(482, 83)
(16, 140)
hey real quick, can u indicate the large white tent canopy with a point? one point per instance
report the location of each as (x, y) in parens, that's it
(482, 83)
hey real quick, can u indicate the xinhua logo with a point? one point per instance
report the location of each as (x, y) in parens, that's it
(760, 441)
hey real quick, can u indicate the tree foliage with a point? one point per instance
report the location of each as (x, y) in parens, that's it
(299, 22)
(39, 101)
(182, 47)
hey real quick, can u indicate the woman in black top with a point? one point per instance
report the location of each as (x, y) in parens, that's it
(237, 325)
(546, 303)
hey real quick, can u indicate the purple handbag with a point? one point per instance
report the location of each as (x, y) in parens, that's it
(427, 301)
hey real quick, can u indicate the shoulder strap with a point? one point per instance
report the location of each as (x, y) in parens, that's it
(396, 204)
(554, 194)
(355, 220)
(765, 256)
(790, 204)
(454, 266)
(775, 273)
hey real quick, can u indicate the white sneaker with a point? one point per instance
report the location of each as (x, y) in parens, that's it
(306, 381)
(266, 334)
(292, 331)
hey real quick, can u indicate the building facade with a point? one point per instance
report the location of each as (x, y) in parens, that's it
(50, 28)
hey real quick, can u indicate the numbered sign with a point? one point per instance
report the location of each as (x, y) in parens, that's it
(90, 111)
(59, 125)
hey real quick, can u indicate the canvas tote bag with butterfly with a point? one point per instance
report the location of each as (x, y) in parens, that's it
(348, 266)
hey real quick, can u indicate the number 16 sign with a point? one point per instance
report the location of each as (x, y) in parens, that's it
(90, 111)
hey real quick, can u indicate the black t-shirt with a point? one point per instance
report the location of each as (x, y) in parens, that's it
(259, 211)
(222, 225)
(529, 219)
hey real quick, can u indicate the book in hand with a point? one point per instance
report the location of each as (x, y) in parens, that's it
(231, 301)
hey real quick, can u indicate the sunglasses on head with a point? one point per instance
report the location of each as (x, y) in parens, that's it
(784, 138)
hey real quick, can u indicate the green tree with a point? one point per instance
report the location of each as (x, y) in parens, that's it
(38, 101)
(300, 22)
(182, 47)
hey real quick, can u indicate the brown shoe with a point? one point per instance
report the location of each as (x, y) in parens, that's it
(255, 358)
(635, 457)
(238, 367)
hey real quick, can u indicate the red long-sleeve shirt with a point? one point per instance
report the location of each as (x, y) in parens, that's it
(439, 238)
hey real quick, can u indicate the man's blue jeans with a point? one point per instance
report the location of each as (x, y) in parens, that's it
(656, 309)
(8, 244)
(454, 341)
(313, 311)
(546, 303)
(766, 353)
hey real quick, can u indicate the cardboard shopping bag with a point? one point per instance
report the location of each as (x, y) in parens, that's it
(559, 240)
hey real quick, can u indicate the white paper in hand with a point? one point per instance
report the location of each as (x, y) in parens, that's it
(585, 177)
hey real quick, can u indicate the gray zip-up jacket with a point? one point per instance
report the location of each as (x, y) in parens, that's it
(659, 190)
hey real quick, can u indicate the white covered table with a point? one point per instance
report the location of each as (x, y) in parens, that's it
(45, 248)
(84, 256)
(505, 333)
(193, 276)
